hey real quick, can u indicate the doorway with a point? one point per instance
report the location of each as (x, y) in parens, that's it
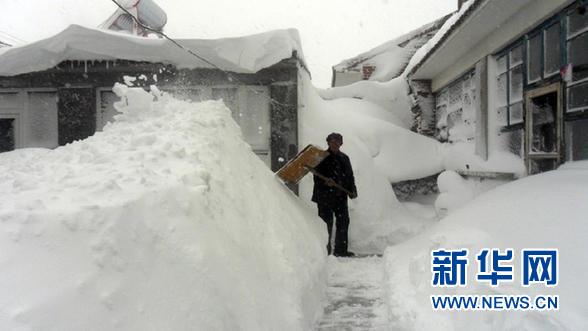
(543, 131)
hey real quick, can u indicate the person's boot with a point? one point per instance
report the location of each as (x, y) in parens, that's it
(345, 254)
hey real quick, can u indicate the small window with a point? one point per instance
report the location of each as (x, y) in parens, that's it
(516, 56)
(552, 50)
(254, 119)
(106, 110)
(455, 93)
(42, 120)
(516, 113)
(7, 134)
(578, 97)
(577, 23)
(534, 59)
(576, 138)
(229, 97)
(516, 84)
(501, 65)
(578, 56)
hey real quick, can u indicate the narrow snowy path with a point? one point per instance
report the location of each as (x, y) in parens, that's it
(355, 295)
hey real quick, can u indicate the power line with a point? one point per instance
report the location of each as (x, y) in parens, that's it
(230, 76)
(15, 38)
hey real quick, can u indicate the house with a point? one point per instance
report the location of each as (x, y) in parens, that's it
(386, 61)
(509, 76)
(58, 90)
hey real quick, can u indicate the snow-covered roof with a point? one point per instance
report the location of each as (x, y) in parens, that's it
(476, 20)
(247, 54)
(447, 32)
(392, 57)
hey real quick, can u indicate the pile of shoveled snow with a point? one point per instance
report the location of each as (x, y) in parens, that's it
(164, 221)
(542, 211)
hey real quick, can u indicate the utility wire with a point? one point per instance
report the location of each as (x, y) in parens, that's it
(15, 38)
(191, 52)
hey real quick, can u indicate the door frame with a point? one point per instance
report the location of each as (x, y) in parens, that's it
(529, 96)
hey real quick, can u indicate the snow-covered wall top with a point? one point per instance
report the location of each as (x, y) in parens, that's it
(247, 54)
(392, 57)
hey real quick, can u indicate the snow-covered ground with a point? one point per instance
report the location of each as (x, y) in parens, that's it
(541, 211)
(356, 295)
(164, 221)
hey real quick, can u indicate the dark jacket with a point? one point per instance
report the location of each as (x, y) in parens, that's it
(337, 167)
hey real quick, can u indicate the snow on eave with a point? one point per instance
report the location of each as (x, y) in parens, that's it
(448, 30)
(350, 63)
(247, 54)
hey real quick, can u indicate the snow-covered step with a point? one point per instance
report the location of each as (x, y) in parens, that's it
(355, 295)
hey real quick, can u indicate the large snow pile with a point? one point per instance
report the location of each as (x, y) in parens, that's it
(247, 54)
(541, 211)
(381, 152)
(166, 220)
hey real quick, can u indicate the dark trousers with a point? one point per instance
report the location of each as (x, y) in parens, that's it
(341, 213)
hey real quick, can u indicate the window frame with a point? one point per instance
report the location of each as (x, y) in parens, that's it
(545, 74)
(509, 68)
(567, 39)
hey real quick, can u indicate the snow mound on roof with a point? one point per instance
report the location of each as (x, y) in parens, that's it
(392, 57)
(166, 220)
(541, 211)
(247, 54)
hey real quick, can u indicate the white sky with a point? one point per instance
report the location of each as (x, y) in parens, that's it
(331, 30)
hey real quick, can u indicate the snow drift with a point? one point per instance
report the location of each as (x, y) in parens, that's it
(164, 221)
(542, 211)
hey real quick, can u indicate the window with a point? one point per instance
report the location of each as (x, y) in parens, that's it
(41, 128)
(576, 138)
(455, 110)
(578, 56)
(254, 119)
(577, 23)
(578, 44)
(544, 53)
(106, 110)
(578, 97)
(510, 87)
(7, 134)
(229, 96)
(577, 47)
(552, 52)
(534, 59)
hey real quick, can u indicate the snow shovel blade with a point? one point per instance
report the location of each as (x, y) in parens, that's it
(293, 171)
